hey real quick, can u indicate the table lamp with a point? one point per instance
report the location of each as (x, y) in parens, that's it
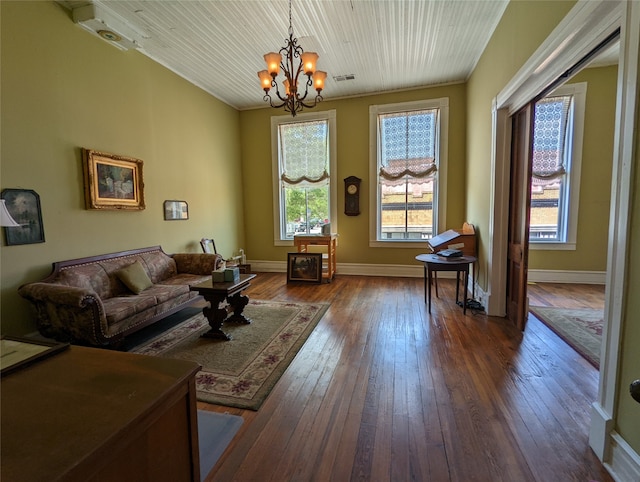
(5, 218)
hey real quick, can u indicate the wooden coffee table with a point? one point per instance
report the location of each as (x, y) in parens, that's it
(215, 294)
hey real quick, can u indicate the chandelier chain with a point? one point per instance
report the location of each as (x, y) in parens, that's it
(290, 22)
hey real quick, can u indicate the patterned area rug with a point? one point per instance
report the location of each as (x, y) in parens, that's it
(580, 328)
(241, 372)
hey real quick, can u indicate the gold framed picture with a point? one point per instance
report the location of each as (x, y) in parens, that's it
(112, 182)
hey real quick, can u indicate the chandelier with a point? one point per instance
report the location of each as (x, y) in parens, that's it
(293, 61)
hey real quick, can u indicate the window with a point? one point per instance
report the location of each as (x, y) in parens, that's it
(555, 180)
(303, 156)
(408, 167)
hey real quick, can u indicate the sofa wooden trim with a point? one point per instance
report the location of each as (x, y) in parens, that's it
(58, 266)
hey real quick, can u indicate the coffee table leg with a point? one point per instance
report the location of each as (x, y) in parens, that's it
(238, 302)
(215, 315)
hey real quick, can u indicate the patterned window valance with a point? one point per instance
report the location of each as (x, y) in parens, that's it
(408, 144)
(418, 169)
(551, 132)
(304, 152)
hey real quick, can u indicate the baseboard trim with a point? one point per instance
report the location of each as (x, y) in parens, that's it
(359, 269)
(483, 297)
(601, 425)
(417, 270)
(563, 276)
(356, 269)
(393, 270)
(268, 266)
(624, 465)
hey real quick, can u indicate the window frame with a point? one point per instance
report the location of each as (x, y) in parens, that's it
(442, 104)
(278, 201)
(570, 221)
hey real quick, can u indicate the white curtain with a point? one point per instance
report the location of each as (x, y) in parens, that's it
(304, 153)
(551, 126)
(408, 145)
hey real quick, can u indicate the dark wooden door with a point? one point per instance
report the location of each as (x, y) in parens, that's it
(519, 203)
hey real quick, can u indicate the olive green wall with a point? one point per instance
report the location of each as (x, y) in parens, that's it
(595, 179)
(523, 27)
(352, 119)
(64, 89)
(628, 410)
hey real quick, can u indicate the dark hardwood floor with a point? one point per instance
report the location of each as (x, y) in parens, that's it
(383, 391)
(562, 295)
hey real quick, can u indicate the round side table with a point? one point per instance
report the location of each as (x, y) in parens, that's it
(434, 263)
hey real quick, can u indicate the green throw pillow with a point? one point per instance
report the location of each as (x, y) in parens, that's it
(135, 277)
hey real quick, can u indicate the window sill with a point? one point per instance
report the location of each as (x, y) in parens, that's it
(399, 244)
(538, 246)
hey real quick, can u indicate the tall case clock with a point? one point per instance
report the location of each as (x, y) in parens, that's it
(352, 196)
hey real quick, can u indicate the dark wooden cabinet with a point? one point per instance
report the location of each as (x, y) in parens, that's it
(90, 414)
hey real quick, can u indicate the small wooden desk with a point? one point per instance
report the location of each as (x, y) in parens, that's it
(434, 263)
(303, 241)
(216, 293)
(92, 414)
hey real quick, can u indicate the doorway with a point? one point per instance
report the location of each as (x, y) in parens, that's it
(560, 183)
(523, 151)
(593, 22)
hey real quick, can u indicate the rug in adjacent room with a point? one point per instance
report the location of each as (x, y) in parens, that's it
(215, 433)
(241, 372)
(580, 328)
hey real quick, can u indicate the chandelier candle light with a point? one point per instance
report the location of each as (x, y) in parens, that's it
(285, 59)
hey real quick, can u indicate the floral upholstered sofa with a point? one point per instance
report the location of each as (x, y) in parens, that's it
(100, 300)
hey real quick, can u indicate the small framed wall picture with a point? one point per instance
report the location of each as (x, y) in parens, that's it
(176, 211)
(23, 206)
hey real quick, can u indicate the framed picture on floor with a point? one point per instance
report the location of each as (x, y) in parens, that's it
(306, 267)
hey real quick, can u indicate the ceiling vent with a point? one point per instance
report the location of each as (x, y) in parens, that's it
(107, 26)
(340, 78)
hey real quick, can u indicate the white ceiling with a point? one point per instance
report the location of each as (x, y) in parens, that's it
(386, 45)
